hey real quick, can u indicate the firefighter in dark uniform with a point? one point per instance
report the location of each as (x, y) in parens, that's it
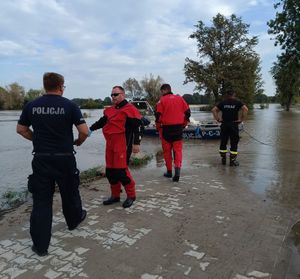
(52, 118)
(233, 113)
(172, 114)
(121, 126)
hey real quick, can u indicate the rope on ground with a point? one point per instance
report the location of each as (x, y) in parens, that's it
(269, 144)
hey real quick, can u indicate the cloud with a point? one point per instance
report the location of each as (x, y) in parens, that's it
(97, 44)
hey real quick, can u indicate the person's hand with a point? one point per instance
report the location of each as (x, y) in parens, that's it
(135, 148)
(220, 120)
(77, 142)
(90, 132)
(186, 123)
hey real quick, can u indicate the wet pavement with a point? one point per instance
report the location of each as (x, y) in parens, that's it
(209, 225)
(217, 222)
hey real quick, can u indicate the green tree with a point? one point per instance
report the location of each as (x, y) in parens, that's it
(107, 101)
(286, 25)
(3, 96)
(15, 96)
(151, 86)
(78, 101)
(189, 98)
(226, 59)
(32, 94)
(133, 88)
(286, 71)
(197, 98)
(261, 99)
(88, 103)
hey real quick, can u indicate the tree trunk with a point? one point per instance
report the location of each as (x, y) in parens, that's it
(288, 103)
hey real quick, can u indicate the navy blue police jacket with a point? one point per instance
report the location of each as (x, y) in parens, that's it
(52, 118)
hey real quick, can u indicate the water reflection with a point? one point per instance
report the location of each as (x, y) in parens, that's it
(287, 155)
(259, 139)
(272, 145)
(269, 155)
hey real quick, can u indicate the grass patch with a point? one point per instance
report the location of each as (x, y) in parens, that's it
(13, 199)
(159, 153)
(139, 160)
(92, 174)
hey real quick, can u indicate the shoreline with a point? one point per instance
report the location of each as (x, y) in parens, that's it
(11, 200)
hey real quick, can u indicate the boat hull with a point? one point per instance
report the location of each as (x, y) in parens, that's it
(191, 132)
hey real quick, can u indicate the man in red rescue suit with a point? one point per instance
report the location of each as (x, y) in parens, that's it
(121, 126)
(172, 114)
(230, 119)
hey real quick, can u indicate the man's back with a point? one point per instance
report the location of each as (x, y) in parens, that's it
(230, 108)
(52, 118)
(172, 108)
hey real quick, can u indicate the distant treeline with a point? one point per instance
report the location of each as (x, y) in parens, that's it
(264, 99)
(92, 103)
(197, 98)
(14, 96)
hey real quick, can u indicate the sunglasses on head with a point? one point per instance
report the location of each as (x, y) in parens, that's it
(115, 94)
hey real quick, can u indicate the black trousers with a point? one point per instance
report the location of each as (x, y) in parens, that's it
(48, 170)
(229, 130)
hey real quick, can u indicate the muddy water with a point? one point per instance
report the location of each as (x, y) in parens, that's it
(270, 147)
(269, 159)
(15, 160)
(269, 153)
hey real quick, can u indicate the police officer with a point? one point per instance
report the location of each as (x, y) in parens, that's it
(121, 126)
(52, 117)
(172, 114)
(230, 119)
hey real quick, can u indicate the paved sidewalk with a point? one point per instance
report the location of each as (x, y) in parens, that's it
(209, 225)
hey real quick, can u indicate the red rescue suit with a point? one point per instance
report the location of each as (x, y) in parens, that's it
(121, 127)
(172, 115)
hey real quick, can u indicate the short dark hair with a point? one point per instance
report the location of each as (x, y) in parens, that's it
(166, 87)
(119, 87)
(230, 92)
(52, 81)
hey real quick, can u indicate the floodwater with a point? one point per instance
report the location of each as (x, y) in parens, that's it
(269, 152)
(269, 158)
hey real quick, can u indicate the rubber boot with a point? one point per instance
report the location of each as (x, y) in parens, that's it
(223, 158)
(130, 191)
(168, 174)
(115, 194)
(233, 160)
(177, 175)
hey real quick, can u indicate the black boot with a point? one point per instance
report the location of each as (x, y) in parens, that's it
(128, 202)
(168, 174)
(83, 215)
(223, 159)
(39, 253)
(111, 200)
(177, 175)
(233, 160)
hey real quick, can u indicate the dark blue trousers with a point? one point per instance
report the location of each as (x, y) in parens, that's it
(48, 170)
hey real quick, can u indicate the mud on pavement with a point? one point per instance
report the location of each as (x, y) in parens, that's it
(209, 225)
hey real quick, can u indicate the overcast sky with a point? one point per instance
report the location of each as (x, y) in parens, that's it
(96, 44)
